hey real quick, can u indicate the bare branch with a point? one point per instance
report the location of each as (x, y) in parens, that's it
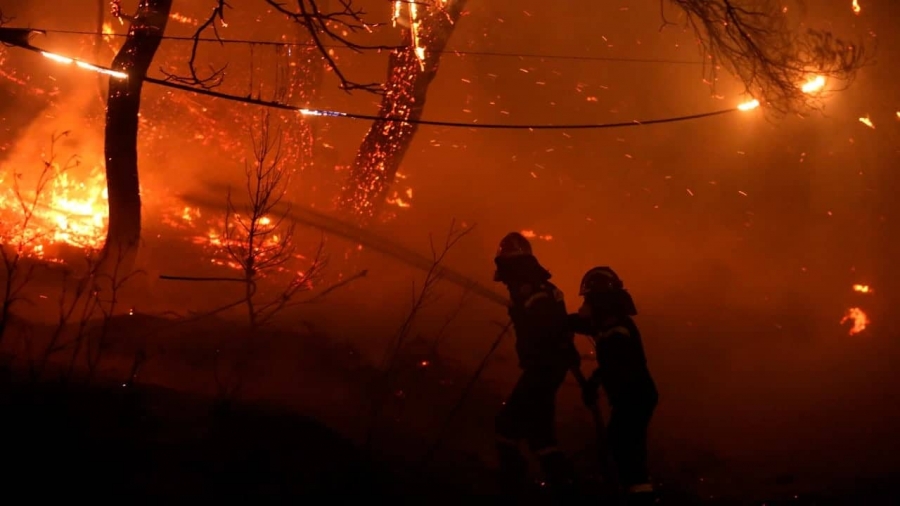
(216, 75)
(754, 40)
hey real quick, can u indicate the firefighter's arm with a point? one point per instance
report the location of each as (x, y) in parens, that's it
(578, 324)
(542, 313)
(616, 346)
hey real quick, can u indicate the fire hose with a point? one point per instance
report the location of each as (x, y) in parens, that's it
(322, 221)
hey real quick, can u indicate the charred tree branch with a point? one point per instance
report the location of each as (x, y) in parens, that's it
(411, 69)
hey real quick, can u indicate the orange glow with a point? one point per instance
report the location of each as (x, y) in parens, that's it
(856, 8)
(858, 317)
(862, 289)
(865, 120)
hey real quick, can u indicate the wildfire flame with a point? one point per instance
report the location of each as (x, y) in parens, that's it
(858, 317)
(814, 85)
(68, 211)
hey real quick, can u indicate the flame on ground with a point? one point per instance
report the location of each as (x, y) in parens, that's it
(858, 317)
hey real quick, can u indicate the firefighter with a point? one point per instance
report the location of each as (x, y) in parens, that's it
(622, 371)
(546, 352)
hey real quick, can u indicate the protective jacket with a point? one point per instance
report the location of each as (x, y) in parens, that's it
(543, 337)
(621, 363)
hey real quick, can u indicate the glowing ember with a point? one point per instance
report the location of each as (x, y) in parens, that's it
(532, 235)
(856, 8)
(68, 211)
(858, 317)
(181, 18)
(397, 200)
(749, 106)
(865, 120)
(862, 289)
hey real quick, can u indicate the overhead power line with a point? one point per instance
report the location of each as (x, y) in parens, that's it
(115, 74)
(461, 52)
(451, 124)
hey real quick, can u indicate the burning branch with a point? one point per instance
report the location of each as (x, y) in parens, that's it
(755, 42)
(411, 69)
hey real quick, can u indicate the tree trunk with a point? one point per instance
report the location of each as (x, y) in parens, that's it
(385, 144)
(122, 110)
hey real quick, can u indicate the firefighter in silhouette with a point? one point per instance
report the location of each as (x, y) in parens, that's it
(605, 316)
(546, 351)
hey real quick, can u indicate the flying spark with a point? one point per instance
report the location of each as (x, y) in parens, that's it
(862, 289)
(865, 120)
(858, 317)
(856, 8)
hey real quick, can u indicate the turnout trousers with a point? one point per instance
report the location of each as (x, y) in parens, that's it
(529, 415)
(627, 436)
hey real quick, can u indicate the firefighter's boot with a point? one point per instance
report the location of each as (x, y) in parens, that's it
(513, 474)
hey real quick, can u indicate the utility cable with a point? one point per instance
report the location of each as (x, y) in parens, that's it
(499, 54)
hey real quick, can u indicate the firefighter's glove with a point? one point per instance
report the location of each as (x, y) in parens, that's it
(589, 393)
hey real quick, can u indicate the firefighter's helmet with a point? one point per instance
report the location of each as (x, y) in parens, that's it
(600, 280)
(513, 244)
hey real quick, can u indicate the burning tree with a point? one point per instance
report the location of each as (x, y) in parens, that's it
(755, 41)
(411, 69)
